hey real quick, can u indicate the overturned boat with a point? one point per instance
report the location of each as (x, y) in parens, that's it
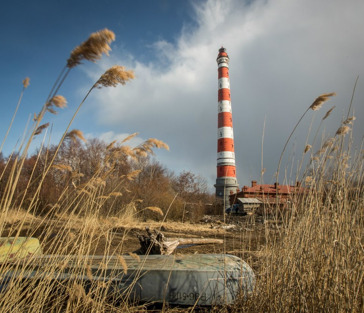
(198, 279)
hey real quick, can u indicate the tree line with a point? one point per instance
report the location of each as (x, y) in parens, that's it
(113, 176)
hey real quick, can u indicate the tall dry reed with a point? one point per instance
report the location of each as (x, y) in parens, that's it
(315, 264)
(74, 225)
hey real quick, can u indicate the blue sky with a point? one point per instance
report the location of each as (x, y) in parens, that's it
(39, 35)
(283, 54)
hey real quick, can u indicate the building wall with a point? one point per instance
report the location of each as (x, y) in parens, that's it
(272, 195)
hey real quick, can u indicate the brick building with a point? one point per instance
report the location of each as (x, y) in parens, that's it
(269, 196)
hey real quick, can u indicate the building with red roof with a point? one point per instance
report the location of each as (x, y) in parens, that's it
(264, 195)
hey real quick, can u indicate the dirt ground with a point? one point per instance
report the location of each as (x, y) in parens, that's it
(242, 236)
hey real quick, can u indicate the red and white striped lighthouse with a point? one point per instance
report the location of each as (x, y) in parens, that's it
(226, 172)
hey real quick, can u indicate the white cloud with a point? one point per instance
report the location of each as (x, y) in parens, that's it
(283, 55)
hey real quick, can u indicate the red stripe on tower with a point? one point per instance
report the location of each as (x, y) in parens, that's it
(226, 173)
(225, 144)
(224, 119)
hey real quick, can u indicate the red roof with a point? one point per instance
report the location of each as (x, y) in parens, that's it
(271, 189)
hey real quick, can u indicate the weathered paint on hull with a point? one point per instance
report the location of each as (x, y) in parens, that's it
(12, 248)
(202, 279)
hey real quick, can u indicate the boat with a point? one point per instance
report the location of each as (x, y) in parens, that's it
(197, 279)
(16, 248)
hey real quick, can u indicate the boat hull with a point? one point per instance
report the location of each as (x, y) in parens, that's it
(12, 248)
(199, 279)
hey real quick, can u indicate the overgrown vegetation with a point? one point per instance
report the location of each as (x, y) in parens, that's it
(121, 175)
(316, 262)
(72, 196)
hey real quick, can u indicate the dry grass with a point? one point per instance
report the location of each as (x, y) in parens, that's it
(70, 227)
(13, 216)
(311, 260)
(316, 263)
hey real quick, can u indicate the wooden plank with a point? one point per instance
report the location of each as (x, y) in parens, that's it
(156, 243)
(197, 241)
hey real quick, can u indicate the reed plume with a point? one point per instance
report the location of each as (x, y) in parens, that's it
(75, 134)
(126, 150)
(328, 143)
(50, 110)
(146, 147)
(320, 100)
(132, 175)
(92, 49)
(129, 137)
(307, 148)
(114, 76)
(110, 145)
(58, 101)
(26, 82)
(40, 128)
(316, 105)
(328, 113)
(324, 118)
(349, 120)
(157, 143)
(342, 130)
(141, 153)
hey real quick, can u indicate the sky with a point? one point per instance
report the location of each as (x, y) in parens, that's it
(283, 54)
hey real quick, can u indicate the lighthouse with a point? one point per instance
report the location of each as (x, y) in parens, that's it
(226, 182)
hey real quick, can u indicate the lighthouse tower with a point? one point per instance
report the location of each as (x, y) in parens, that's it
(226, 182)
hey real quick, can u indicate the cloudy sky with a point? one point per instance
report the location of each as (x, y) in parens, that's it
(283, 54)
